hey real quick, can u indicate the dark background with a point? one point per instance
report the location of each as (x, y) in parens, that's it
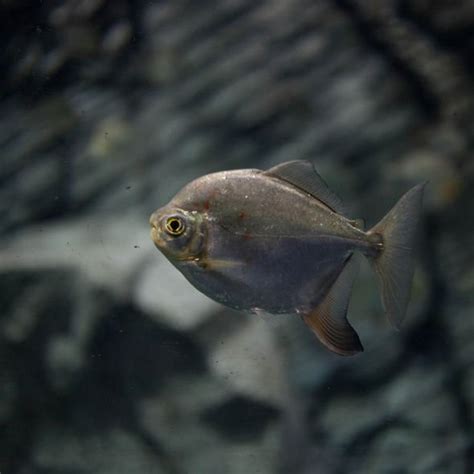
(109, 361)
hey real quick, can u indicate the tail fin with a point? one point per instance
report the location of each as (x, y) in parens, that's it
(395, 263)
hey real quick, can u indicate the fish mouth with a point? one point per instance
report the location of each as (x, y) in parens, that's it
(155, 230)
(155, 233)
(154, 219)
(155, 238)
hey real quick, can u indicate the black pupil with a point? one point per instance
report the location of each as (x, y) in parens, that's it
(175, 225)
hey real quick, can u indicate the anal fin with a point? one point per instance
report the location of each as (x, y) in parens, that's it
(328, 320)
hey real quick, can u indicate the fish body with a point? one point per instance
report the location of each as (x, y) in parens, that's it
(276, 241)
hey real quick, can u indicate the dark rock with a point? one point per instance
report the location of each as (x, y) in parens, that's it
(175, 420)
(239, 418)
(62, 449)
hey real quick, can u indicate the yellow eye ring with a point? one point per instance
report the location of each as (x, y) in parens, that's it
(174, 226)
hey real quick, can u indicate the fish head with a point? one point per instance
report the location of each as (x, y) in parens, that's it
(178, 233)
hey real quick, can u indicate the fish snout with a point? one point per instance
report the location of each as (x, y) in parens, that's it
(154, 220)
(155, 229)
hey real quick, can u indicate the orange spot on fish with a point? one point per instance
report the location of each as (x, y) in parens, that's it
(242, 215)
(206, 205)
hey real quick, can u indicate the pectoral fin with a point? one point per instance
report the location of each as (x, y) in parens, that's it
(328, 320)
(216, 264)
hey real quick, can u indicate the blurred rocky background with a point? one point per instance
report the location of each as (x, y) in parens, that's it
(109, 361)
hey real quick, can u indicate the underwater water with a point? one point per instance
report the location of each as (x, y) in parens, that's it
(110, 361)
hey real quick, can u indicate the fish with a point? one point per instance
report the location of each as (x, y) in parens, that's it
(280, 241)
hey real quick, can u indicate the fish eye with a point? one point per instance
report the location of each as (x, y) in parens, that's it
(174, 226)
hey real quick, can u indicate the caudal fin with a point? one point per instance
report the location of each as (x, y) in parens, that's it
(395, 263)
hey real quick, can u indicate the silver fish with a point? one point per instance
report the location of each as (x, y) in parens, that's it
(279, 241)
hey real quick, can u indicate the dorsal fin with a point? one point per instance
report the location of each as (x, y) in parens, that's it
(328, 320)
(303, 175)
